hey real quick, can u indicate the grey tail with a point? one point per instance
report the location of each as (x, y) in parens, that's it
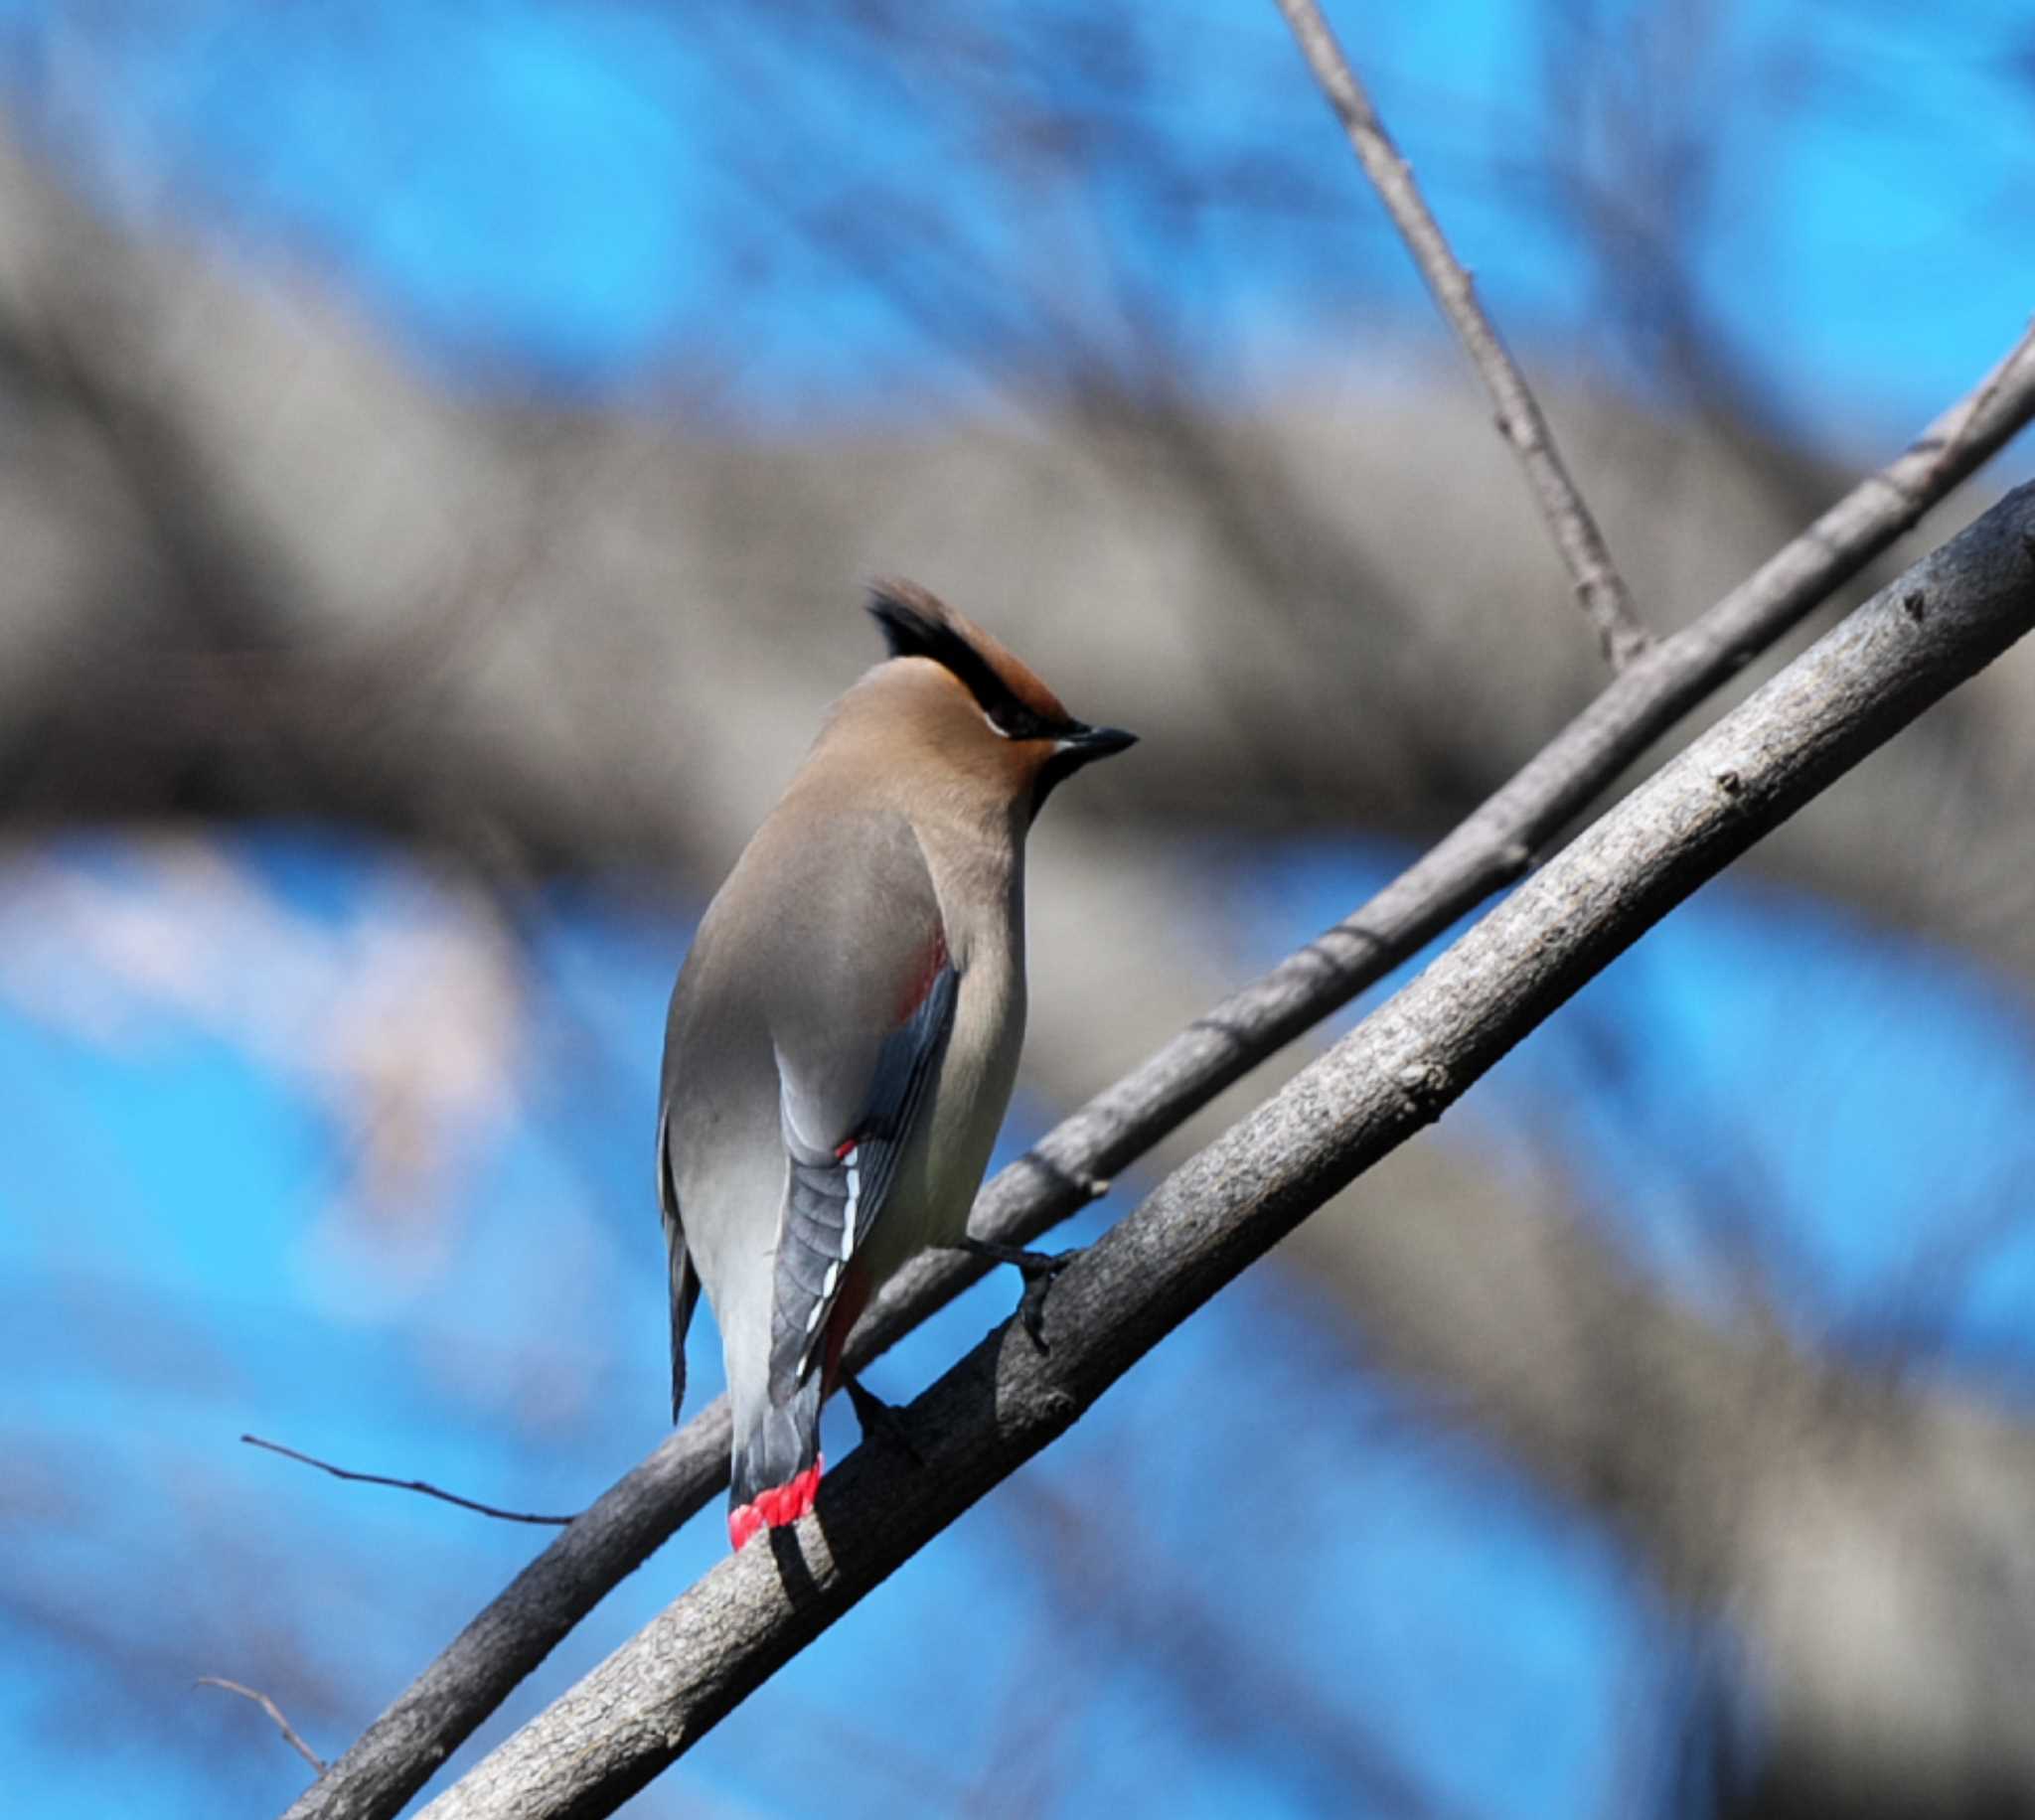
(776, 1445)
(684, 1279)
(685, 1297)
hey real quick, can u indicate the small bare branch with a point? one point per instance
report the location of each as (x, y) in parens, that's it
(420, 1485)
(292, 1736)
(1599, 586)
(1961, 423)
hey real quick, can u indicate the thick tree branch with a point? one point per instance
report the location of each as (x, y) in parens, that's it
(1599, 586)
(1410, 1059)
(398, 1752)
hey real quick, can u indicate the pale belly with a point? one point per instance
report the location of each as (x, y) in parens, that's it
(929, 1200)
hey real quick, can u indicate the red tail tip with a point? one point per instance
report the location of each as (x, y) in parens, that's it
(774, 1508)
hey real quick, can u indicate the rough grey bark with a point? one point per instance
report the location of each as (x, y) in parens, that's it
(398, 1752)
(1886, 663)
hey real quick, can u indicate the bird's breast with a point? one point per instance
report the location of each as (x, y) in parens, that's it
(966, 1103)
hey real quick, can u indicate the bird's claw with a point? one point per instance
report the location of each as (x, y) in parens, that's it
(1039, 1271)
(882, 1419)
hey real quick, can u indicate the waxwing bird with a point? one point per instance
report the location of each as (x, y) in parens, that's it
(845, 1032)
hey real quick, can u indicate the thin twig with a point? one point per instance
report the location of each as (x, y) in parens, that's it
(528, 1617)
(1960, 425)
(1599, 586)
(291, 1736)
(430, 1491)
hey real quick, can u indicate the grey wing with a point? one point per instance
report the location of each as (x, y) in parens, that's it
(684, 1279)
(858, 1016)
(835, 1195)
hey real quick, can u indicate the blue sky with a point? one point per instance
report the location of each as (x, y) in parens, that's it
(571, 194)
(561, 200)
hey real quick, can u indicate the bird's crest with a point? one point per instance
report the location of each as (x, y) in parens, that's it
(918, 624)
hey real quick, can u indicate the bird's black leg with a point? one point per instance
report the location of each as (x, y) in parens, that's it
(1039, 1268)
(880, 1418)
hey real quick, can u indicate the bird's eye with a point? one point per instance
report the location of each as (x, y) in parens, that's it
(1014, 721)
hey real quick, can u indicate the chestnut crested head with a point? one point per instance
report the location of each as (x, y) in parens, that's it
(1041, 743)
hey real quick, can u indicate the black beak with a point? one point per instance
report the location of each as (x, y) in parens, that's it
(1101, 742)
(1072, 749)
